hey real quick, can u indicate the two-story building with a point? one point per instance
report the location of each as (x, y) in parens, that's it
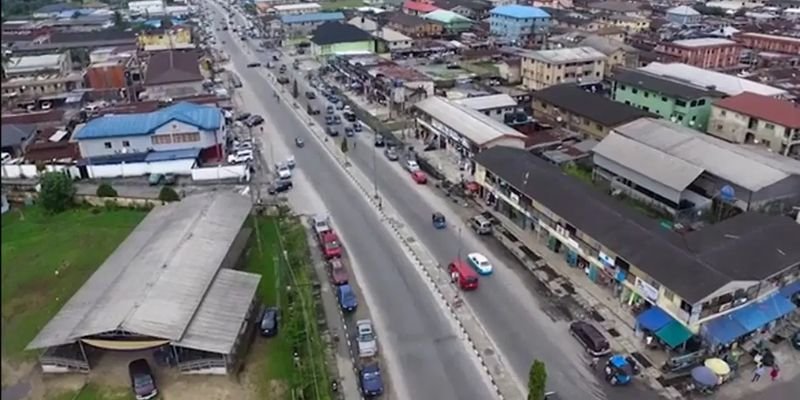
(414, 26)
(177, 38)
(517, 23)
(178, 127)
(618, 54)
(172, 73)
(709, 53)
(295, 9)
(770, 43)
(34, 76)
(453, 23)
(729, 84)
(684, 15)
(679, 101)
(495, 106)
(581, 111)
(750, 118)
(336, 38)
(694, 278)
(303, 25)
(543, 68)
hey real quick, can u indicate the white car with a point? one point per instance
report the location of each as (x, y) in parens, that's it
(284, 172)
(480, 263)
(365, 337)
(241, 157)
(411, 165)
(243, 145)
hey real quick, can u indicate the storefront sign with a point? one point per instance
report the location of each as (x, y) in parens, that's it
(606, 259)
(647, 290)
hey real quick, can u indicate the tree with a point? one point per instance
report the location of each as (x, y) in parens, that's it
(167, 194)
(105, 190)
(119, 21)
(295, 90)
(57, 192)
(537, 381)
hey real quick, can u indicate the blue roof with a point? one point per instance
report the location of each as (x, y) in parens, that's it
(789, 290)
(755, 315)
(182, 154)
(313, 17)
(724, 330)
(517, 11)
(203, 117)
(653, 319)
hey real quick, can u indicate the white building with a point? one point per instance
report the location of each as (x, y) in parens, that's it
(684, 15)
(295, 9)
(147, 7)
(496, 106)
(728, 84)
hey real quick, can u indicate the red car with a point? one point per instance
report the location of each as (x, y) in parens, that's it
(419, 177)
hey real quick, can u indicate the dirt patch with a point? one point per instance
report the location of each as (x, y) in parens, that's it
(14, 372)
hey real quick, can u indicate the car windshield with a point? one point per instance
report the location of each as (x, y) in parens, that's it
(484, 264)
(142, 381)
(365, 336)
(371, 375)
(333, 244)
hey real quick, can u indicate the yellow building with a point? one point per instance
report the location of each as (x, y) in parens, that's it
(164, 39)
(631, 24)
(544, 68)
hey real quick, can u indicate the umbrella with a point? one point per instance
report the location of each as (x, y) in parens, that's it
(718, 366)
(704, 376)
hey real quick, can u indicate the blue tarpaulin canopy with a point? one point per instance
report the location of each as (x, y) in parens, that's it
(724, 330)
(756, 315)
(653, 319)
(789, 290)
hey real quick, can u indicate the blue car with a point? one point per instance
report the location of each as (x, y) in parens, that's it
(371, 381)
(347, 298)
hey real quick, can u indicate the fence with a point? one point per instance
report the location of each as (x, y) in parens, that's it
(121, 170)
(227, 172)
(31, 171)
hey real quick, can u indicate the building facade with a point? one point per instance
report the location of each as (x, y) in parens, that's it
(295, 9)
(772, 43)
(518, 23)
(684, 15)
(544, 68)
(709, 53)
(414, 26)
(304, 25)
(753, 119)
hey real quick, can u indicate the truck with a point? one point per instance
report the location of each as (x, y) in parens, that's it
(326, 237)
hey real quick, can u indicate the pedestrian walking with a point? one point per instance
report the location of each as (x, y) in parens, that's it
(757, 374)
(774, 372)
(594, 362)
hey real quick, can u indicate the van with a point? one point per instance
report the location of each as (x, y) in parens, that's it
(590, 337)
(465, 276)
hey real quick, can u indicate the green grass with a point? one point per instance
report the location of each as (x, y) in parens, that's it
(581, 173)
(34, 247)
(93, 392)
(341, 4)
(273, 366)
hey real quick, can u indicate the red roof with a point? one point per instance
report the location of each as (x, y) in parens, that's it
(419, 6)
(780, 112)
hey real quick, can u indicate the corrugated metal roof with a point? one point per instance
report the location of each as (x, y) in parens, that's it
(481, 103)
(476, 126)
(312, 17)
(728, 84)
(574, 54)
(204, 117)
(518, 11)
(217, 322)
(154, 282)
(739, 165)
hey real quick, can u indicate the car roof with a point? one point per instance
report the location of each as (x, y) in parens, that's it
(478, 257)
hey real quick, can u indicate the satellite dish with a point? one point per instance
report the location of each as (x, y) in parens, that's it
(726, 193)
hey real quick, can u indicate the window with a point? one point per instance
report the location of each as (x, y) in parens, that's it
(723, 113)
(646, 109)
(663, 98)
(669, 295)
(701, 102)
(719, 127)
(634, 90)
(161, 139)
(680, 103)
(107, 145)
(693, 103)
(126, 143)
(769, 126)
(646, 94)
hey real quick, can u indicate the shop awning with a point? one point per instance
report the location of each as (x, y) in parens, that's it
(756, 315)
(789, 290)
(653, 319)
(723, 330)
(674, 334)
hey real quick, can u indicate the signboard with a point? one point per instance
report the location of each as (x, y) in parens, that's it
(607, 260)
(647, 290)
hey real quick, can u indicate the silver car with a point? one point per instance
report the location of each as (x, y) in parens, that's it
(365, 337)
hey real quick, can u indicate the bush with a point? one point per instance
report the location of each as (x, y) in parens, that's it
(537, 380)
(57, 192)
(105, 190)
(168, 194)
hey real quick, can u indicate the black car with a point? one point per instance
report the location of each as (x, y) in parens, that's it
(255, 120)
(269, 322)
(329, 110)
(283, 68)
(348, 131)
(329, 120)
(312, 110)
(143, 382)
(337, 120)
(331, 131)
(280, 186)
(590, 337)
(253, 65)
(275, 57)
(310, 95)
(379, 141)
(283, 80)
(357, 127)
(351, 117)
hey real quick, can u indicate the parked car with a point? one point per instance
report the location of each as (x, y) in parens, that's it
(590, 337)
(331, 131)
(253, 64)
(365, 337)
(349, 116)
(155, 179)
(480, 263)
(280, 186)
(419, 177)
(283, 80)
(481, 225)
(348, 131)
(357, 127)
(243, 116)
(269, 322)
(283, 171)
(339, 275)
(340, 105)
(143, 382)
(329, 120)
(371, 381)
(411, 165)
(283, 68)
(254, 120)
(391, 153)
(379, 141)
(312, 110)
(337, 120)
(290, 162)
(241, 156)
(347, 298)
(243, 145)
(329, 110)
(169, 179)
(310, 95)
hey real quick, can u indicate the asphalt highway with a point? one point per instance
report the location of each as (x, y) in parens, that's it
(433, 361)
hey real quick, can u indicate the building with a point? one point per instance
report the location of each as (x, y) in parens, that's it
(107, 75)
(305, 24)
(393, 40)
(629, 23)
(295, 9)
(708, 53)
(414, 26)
(178, 127)
(684, 172)
(31, 77)
(418, 8)
(618, 54)
(15, 138)
(34, 66)
(336, 38)
(132, 303)
(462, 131)
(544, 68)
(178, 38)
(496, 106)
(450, 21)
(770, 43)
(56, 41)
(679, 101)
(581, 111)
(148, 8)
(615, 8)
(518, 23)
(733, 268)
(750, 118)
(173, 73)
(727, 84)
(684, 15)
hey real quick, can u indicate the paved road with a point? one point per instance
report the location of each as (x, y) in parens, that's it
(432, 362)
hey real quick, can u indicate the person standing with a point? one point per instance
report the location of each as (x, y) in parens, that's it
(774, 372)
(594, 362)
(757, 374)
